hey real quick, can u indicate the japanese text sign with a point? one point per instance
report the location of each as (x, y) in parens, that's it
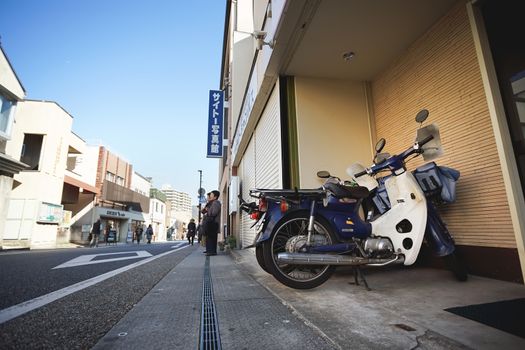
(215, 124)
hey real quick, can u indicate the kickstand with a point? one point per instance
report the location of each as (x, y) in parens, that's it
(359, 273)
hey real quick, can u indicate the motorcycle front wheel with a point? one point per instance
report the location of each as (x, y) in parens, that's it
(292, 275)
(457, 266)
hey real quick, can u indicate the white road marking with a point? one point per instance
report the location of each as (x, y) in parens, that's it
(88, 259)
(178, 245)
(30, 305)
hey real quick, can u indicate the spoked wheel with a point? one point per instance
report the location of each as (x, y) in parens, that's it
(259, 255)
(296, 276)
(457, 266)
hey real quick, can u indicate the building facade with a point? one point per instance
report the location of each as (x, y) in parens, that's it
(42, 139)
(157, 215)
(119, 207)
(11, 92)
(320, 90)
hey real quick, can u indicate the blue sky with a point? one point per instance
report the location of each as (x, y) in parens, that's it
(134, 74)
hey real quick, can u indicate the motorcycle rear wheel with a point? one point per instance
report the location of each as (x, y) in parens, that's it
(259, 255)
(296, 276)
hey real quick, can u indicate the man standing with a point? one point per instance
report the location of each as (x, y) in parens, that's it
(212, 222)
(95, 233)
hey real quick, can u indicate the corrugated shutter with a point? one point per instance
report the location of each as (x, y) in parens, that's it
(261, 165)
(440, 72)
(268, 163)
(247, 166)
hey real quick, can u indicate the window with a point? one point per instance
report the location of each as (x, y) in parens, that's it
(31, 149)
(7, 108)
(110, 176)
(120, 181)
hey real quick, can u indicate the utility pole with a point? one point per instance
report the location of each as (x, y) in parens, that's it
(200, 194)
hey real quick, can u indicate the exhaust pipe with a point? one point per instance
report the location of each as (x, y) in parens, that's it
(330, 259)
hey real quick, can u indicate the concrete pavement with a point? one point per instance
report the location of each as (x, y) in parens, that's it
(248, 315)
(404, 310)
(355, 318)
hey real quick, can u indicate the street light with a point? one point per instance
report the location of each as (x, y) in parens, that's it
(200, 194)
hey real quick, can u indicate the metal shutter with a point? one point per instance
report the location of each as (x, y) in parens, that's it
(268, 156)
(247, 177)
(261, 165)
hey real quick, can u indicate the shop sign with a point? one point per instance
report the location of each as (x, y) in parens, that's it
(246, 111)
(114, 213)
(215, 124)
(49, 213)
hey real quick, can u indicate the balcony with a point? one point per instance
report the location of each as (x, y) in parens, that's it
(120, 194)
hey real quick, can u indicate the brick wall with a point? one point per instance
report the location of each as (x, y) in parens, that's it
(440, 72)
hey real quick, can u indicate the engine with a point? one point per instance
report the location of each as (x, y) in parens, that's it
(296, 243)
(379, 247)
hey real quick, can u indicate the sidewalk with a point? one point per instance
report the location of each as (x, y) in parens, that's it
(248, 315)
(404, 310)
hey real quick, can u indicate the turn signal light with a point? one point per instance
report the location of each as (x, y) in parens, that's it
(263, 206)
(284, 206)
(255, 215)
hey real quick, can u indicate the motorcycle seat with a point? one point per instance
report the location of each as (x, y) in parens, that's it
(341, 191)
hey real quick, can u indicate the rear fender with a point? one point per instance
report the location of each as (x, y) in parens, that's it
(273, 217)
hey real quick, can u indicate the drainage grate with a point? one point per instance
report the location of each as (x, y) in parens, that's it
(209, 337)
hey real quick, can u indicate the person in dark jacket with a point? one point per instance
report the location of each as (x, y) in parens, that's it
(95, 234)
(149, 233)
(191, 231)
(212, 222)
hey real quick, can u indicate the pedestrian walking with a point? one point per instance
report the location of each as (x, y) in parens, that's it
(191, 231)
(95, 233)
(149, 233)
(212, 222)
(106, 233)
(138, 233)
(198, 230)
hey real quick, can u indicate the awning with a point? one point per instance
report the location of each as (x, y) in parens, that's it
(11, 166)
(80, 184)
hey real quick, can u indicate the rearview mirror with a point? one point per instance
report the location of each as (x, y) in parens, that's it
(380, 145)
(323, 174)
(422, 115)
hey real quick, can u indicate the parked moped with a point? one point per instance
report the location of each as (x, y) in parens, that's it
(303, 234)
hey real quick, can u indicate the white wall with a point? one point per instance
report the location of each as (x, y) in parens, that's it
(8, 78)
(332, 126)
(140, 184)
(46, 118)
(46, 184)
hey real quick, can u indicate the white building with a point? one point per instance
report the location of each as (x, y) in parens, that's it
(42, 138)
(180, 201)
(157, 215)
(11, 91)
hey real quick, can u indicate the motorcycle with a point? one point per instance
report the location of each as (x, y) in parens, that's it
(303, 234)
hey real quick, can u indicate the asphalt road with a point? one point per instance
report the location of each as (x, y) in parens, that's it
(77, 320)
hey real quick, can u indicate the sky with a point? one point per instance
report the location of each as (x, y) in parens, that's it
(135, 75)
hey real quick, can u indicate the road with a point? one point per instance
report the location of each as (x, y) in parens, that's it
(91, 288)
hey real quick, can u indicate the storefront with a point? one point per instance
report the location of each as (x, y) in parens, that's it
(335, 100)
(122, 223)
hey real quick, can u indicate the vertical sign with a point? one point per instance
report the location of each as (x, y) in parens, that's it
(215, 124)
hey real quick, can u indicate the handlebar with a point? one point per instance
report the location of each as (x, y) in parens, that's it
(416, 148)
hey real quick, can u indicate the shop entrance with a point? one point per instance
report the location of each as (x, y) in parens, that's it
(505, 30)
(110, 230)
